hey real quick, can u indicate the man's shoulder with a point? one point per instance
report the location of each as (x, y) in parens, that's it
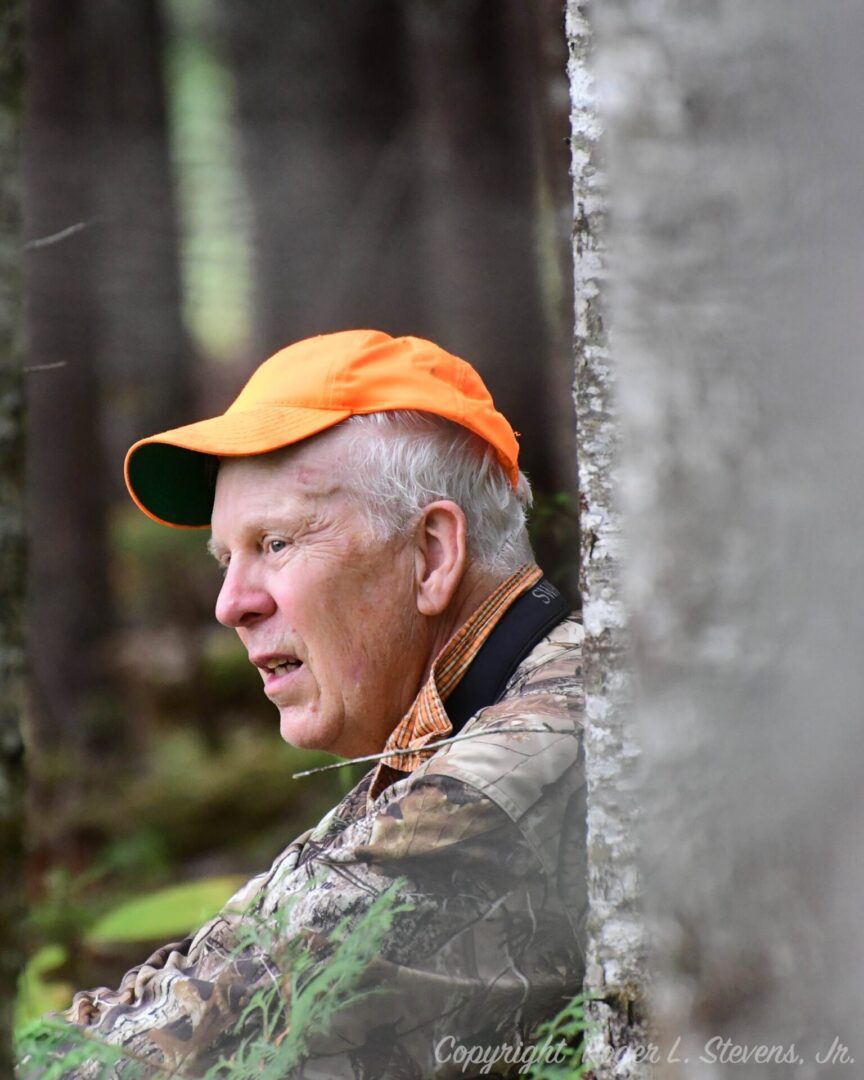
(524, 752)
(544, 696)
(554, 663)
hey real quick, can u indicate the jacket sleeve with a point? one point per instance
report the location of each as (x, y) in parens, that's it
(460, 939)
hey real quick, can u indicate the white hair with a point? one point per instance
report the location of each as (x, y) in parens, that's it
(405, 460)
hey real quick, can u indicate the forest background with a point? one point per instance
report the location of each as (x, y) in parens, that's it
(203, 187)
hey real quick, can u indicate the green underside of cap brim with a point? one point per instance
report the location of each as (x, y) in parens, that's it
(174, 485)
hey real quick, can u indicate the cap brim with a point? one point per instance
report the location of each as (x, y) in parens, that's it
(172, 476)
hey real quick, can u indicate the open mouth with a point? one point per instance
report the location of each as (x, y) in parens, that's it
(282, 667)
(276, 666)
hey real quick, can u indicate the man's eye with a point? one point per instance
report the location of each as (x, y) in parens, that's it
(274, 545)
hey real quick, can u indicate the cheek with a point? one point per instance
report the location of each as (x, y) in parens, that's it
(341, 657)
(357, 627)
(354, 666)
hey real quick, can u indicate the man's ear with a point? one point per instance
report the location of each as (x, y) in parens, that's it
(441, 555)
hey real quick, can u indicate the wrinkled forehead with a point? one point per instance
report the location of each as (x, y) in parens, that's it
(319, 465)
(315, 473)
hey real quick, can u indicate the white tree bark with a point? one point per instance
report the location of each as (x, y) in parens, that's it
(615, 972)
(736, 165)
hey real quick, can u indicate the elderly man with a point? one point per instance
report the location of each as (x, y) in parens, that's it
(367, 511)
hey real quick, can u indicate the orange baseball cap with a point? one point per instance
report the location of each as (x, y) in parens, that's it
(300, 391)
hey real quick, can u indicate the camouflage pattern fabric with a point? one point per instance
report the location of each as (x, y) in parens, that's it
(483, 848)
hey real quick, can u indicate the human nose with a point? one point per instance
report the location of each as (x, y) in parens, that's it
(242, 600)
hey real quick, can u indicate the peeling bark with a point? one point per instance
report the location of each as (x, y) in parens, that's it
(615, 962)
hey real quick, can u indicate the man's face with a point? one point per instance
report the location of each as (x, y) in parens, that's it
(326, 612)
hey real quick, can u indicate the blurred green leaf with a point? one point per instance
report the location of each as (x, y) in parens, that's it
(166, 913)
(36, 995)
(140, 853)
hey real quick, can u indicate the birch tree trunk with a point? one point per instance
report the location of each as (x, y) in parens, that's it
(615, 967)
(12, 545)
(736, 172)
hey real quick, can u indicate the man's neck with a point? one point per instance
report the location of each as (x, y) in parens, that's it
(476, 586)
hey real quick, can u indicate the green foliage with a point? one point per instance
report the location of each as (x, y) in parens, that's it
(38, 994)
(307, 990)
(553, 526)
(570, 1028)
(48, 1048)
(308, 995)
(215, 256)
(61, 913)
(155, 568)
(191, 798)
(165, 914)
(301, 1000)
(159, 916)
(141, 855)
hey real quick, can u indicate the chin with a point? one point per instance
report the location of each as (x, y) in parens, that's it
(297, 731)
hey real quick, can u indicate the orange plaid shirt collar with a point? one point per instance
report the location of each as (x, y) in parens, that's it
(427, 720)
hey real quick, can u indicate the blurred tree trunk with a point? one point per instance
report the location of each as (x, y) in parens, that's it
(615, 968)
(736, 171)
(142, 346)
(475, 82)
(322, 104)
(403, 190)
(105, 308)
(554, 246)
(12, 526)
(78, 724)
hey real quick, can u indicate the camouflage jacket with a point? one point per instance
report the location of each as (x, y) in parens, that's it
(464, 884)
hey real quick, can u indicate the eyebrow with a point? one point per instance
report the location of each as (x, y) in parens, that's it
(288, 522)
(216, 549)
